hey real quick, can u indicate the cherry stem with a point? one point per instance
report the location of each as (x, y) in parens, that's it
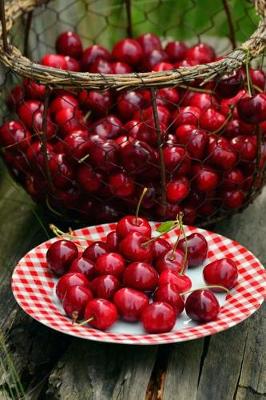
(69, 235)
(86, 322)
(186, 248)
(248, 75)
(75, 315)
(161, 234)
(139, 203)
(206, 287)
(180, 223)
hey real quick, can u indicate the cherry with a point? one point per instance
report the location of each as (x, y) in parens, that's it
(183, 133)
(121, 185)
(103, 154)
(221, 272)
(211, 120)
(14, 136)
(187, 116)
(190, 214)
(233, 179)
(69, 280)
(95, 250)
(110, 264)
(76, 144)
(89, 180)
(72, 64)
(203, 101)
(54, 61)
(101, 66)
(177, 190)
(61, 171)
(131, 223)
(168, 293)
(158, 317)
(121, 68)
(130, 303)
(15, 98)
(93, 53)
(105, 286)
(160, 247)
(153, 58)
(202, 306)
(60, 256)
(167, 97)
(108, 127)
(141, 276)
(34, 90)
(221, 153)
(134, 247)
(98, 102)
(167, 211)
(147, 115)
(69, 44)
(176, 51)
(176, 160)
(201, 54)
(149, 42)
(245, 146)
(101, 314)
(257, 77)
(230, 85)
(197, 249)
(128, 51)
(128, 103)
(227, 105)
(233, 198)
(84, 266)
(206, 179)
(62, 102)
(197, 144)
(27, 109)
(49, 129)
(181, 283)
(69, 120)
(172, 260)
(75, 300)
(252, 110)
(163, 66)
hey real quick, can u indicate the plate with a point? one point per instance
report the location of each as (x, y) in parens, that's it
(34, 289)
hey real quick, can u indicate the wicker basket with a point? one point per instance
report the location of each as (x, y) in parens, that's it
(71, 200)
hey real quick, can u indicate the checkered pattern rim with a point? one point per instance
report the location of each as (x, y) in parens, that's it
(32, 285)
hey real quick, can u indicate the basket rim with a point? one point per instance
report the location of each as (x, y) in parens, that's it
(13, 59)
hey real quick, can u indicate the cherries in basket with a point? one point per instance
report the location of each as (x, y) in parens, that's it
(138, 276)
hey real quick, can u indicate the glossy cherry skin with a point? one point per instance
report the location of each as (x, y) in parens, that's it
(121, 68)
(108, 127)
(252, 110)
(230, 85)
(176, 51)
(158, 317)
(68, 280)
(176, 160)
(34, 90)
(112, 241)
(169, 294)
(245, 146)
(149, 42)
(92, 53)
(221, 272)
(130, 223)
(233, 179)
(69, 44)
(61, 171)
(128, 51)
(211, 120)
(75, 300)
(202, 306)
(134, 248)
(60, 256)
(141, 276)
(128, 103)
(62, 102)
(95, 250)
(98, 101)
(14, 136)
(206, 179)
(105, 286)
(257, 77)
(27, 109)
(121, 185)
(233, 198)
(180, 282)
(160, 247)
(101, 66)
(171, 261)
(102, 312)
(197, 144)
(155, 57)
(197, 249)
(203, 101)
(89, 180)
(84, 266)
(187, 116)
(177, 190)
(130, 303)
(15, 98)
(201, 54)
(110, 264)
(221, 153)
(103, 154)
(137, 157)
(54, 61)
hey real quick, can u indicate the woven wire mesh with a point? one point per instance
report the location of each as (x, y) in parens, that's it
(92, 164)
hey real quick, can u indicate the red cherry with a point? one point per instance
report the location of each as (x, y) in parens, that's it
(121, 68)
(168, 294)
(230, 85)
(15, 98)
(128, 103)
(221, 153)
(177, 190)
(54, 61)
(128, 51)
(69, 44)
(101, 313)
(183, 133)
(131, 223)
(233, 198)
(76, 144)
(103, 154)
(168, 211)
(69, 280)
(202, 306)
(69, 120)
(153, 58)
(176, 51)
(61, 171)
(35, 154)
(149, 42)
(27, 109)
(168, 97)
(72, 64)
(163, 66)
(141, 276)
(227, 105)
(203, 101)
(62, 102)
(158, 317)
(134, 248)
(172, 260)
(206, 179)
(181, 283)
(245, 146)
(211, 120)
(257, 77)
(252, 110)
(93, 53)
(101, 66)
(121, 185)
(98, 102)
(34, 90)
(190, 215)
(160, 247)
(197, 249)
(38, 125)
(112, 241)
(84, 266)
(110, 264)
(221, 272)
(105, 286)
(60, 256)
(147, 116)
(108, 127)
(75, 300)
(197, 144)
(95, 250)
(201, 54)
(14, 136)
(187, 116)
(233, 179)
(89, 180)
(130, 303)
(176, 160)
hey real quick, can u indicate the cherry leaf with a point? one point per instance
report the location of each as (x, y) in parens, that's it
(166, 226)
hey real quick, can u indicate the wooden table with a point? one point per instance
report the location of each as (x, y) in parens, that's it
(50, 365)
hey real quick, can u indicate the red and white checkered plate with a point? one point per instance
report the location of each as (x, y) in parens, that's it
(33, 287)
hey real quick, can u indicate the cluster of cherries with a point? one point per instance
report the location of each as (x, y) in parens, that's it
(92, 152)
(136, 277)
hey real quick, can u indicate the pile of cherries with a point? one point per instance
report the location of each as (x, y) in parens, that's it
(96, 150)
(136, 277)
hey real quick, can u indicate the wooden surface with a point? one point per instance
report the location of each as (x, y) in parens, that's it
(227, 366)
